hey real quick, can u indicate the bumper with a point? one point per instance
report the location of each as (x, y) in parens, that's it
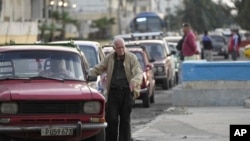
(78, 127)
(160, 77)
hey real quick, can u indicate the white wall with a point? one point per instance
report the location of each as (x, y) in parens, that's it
(18, 28)
(16, 10)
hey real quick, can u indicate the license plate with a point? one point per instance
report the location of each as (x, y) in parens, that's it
(56, 131)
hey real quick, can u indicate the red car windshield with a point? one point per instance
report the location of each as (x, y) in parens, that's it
(52, 64)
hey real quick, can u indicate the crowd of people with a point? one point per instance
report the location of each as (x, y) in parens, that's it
(190, 49)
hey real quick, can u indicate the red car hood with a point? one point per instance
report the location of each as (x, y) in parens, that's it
(44, 91)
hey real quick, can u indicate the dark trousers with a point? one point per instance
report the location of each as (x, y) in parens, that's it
(118, 110)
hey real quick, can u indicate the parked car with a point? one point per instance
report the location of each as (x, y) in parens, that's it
(148, 82)
(94, 55)
(219, 44)
(176, 59)
(53, 107)
(164, 69)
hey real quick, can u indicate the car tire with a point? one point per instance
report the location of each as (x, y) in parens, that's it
(4, 138)
(152, 97)
(165, 84)
(146, 99)
(176, 78)
(226, 56)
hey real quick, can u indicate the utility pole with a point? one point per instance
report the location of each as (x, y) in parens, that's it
(168, 15)
(119, 16)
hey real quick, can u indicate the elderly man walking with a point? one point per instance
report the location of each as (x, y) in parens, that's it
(124, 76)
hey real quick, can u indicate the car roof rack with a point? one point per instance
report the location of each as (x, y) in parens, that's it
(147, 35)
(68, 44)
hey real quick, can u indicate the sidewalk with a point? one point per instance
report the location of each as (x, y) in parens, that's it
(193, 124)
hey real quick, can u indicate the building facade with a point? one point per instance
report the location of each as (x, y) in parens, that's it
(16, 22)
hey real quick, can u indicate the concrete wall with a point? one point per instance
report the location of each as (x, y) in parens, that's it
(214, 71)
(16, 10)
(20, 32)
(213, 84)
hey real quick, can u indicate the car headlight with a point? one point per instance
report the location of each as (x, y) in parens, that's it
(160, 69)
(92, 107)
(9, 108)
(154, 69)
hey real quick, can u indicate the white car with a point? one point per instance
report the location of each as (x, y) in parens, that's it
(94, 55)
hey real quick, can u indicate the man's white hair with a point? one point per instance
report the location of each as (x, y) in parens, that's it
(118, 39)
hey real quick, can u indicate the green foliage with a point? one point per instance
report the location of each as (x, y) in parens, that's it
(243, 16)
(103, 25)
(62, 18)
(204, 14)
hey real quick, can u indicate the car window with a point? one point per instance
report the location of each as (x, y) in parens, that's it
(100, 53)
(140, 58)
(155, 50)
(218, 39)
(25, 64)
(90, 54)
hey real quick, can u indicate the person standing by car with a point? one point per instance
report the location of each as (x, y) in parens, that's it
(189, 47)
(179, 48)
(207, 46)
(124, 77)
(234, 44)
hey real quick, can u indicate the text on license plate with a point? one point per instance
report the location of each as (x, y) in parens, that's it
(56, 131)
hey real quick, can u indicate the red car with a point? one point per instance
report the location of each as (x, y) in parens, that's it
(40, 102)
(148, 82)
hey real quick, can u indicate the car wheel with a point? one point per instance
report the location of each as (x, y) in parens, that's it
(145, 99)
(4, 138)
(170, 83)
(165, 84)
(176, 78)
(152, 98)
(99, 137)
(226, 56)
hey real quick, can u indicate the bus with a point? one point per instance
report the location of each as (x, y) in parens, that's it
(148, 22)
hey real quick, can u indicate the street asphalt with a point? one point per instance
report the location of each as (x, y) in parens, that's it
(193, 124)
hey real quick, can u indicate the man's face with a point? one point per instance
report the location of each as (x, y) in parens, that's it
(119, 48)
(185, 30)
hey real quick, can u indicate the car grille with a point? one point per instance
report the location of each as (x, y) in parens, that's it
(49, 107)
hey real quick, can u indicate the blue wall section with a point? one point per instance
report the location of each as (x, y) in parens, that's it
(214, 71)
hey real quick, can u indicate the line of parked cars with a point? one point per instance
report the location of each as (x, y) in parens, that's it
(36, 103)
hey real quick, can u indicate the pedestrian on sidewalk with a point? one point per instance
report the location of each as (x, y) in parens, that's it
(234, 44)
(124, 76)
(207, 46)
(189, 47)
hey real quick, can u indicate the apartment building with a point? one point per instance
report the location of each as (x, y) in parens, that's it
(16, 22)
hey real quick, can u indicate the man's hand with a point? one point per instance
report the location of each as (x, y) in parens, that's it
(132, 86)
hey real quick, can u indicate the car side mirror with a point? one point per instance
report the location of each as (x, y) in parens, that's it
(91, 78)
(173, 52)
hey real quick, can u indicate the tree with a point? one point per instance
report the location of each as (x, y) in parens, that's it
(63, 18)
(103, 24)
(243, 16)
(204, 14)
